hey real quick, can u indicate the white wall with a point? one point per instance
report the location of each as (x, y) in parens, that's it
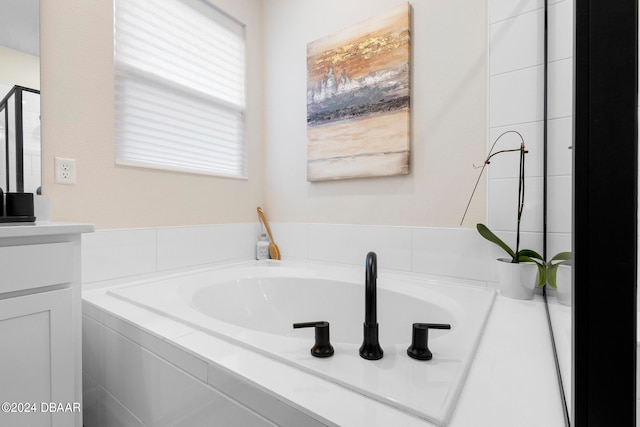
(78, 123)
(18, 68)
(448, 117)
(448, 123)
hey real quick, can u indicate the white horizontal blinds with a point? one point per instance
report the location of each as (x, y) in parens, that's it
(179, 87)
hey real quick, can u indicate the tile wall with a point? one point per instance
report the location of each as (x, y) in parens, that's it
(113, 254)
(459, 255)
(516, 98)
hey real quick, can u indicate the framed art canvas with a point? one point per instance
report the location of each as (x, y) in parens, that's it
(358, 93)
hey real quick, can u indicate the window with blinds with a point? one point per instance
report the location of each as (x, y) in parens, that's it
(179, 87)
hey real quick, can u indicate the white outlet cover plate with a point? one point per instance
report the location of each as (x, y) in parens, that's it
(65, 170)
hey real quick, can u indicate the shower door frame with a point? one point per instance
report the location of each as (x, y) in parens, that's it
(605, 188)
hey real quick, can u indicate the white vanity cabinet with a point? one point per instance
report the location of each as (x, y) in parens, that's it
(40, 325)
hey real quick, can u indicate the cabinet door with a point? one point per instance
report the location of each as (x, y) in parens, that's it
(37, 360)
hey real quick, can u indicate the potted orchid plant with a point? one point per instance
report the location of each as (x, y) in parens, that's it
(517, 274)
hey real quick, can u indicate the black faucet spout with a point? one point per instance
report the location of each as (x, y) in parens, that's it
(370, 296)
(370, 348)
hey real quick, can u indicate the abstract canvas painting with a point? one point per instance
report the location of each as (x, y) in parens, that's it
(358, 100)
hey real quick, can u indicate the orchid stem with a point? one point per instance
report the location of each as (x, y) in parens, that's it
(522, 151)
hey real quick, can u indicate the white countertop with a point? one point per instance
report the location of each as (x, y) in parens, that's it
(512, 380)
(43, 228)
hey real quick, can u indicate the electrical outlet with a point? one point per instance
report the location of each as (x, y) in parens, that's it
(65, 170)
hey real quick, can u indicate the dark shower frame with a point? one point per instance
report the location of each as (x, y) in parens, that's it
(605, 188)
(4, 104)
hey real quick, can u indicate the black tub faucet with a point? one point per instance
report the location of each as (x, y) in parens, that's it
(370, 348)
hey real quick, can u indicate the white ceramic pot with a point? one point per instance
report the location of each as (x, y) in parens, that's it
(516, 280)
(563, 281)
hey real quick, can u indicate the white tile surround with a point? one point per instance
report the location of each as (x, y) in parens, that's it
(130, 351)
(113, 254)
(459, 254)
(516, 31)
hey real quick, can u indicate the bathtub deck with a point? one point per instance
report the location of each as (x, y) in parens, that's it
(501, 386)
(429, 390)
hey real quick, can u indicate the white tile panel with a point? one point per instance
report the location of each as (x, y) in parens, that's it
(507, 165)
(460, 253)
(516, 97)
(124, 372)
(503, 205)
(90, 402)
(113, 414)
(558, 242)
(188, 246)
(156, 344)
(517, 43)
(504, 9)
(560, 138)
(186, 361)
(92, 356)
(560, 30)
(158, 393)
(559, 193)
(109, 254)
(162, 328)
(560, 85)
(349, 244)
(271, 407)
(292, 239)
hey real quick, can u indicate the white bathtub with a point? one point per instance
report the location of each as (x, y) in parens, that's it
(255, 304)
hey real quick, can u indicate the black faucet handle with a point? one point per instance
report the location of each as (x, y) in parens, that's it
(419, 348)
(322, 347)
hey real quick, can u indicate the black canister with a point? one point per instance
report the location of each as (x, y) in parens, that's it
(19, 204)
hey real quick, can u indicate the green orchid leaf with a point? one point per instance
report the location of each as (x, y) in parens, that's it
(562, 256)
(531, 254)
(542, 276)
(525, 258)
(488, 234)
(552, 271)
